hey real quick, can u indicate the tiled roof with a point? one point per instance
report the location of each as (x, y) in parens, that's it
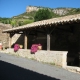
(47, 22)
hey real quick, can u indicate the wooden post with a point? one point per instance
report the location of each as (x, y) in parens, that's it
(48, 41)
(25, 40)
(10, 40)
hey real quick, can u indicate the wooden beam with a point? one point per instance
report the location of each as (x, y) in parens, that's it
(10, 40)
(48, 41)
(25, 40)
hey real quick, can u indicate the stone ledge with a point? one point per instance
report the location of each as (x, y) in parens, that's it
(73, 69)
(53, 57)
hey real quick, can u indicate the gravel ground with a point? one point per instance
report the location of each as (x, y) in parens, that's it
(18, 68)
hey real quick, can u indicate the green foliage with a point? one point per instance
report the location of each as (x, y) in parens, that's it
(14, 23)
(42, 14)
(5, 20)
(20, 23)
(73, 11)
(25, 15)
(55, 15)
(27, 22)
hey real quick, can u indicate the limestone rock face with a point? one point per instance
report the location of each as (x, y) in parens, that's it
(60, 11)
(31, 8)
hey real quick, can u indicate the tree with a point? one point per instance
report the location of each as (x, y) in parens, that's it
(14, 23)
(42, 14)
(19, 23)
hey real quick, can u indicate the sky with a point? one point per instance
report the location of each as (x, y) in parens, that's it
(10, 8)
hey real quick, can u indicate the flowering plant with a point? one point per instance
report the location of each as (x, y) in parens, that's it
(35, 47)
(16, 47)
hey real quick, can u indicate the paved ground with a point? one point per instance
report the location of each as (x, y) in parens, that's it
(17, 68)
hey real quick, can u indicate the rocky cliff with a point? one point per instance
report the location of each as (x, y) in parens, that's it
(59, 11)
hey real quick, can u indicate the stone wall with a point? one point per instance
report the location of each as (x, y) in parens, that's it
(4, 37)
(52, 57)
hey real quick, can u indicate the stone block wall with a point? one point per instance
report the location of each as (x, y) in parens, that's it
(52, 57)
(4, 37)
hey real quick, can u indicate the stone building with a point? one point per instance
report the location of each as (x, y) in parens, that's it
(60, 39)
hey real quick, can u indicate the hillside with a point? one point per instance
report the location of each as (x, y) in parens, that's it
(28, 16)
(31, 10)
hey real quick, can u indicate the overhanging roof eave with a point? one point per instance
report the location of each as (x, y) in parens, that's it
(46, 22)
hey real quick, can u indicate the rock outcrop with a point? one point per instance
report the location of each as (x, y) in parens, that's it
(59, 11)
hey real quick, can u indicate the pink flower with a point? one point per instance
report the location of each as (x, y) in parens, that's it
(16, 47)
(34, 47)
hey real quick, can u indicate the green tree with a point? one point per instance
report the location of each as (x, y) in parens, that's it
(19, 23)
(42, 14)
(14, 23)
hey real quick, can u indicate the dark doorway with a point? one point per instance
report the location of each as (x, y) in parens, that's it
(73, 51)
